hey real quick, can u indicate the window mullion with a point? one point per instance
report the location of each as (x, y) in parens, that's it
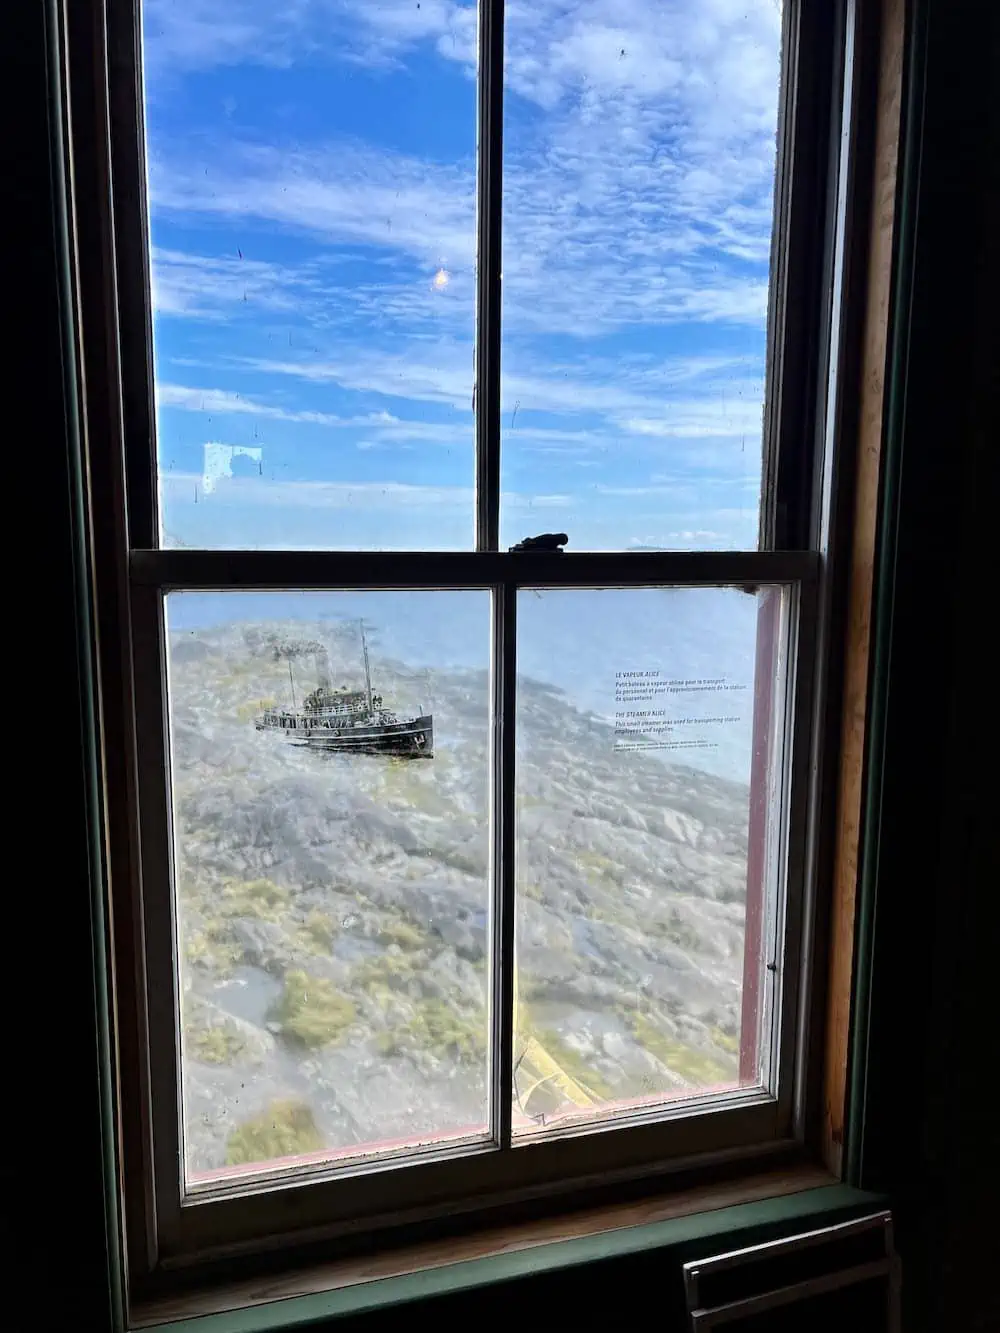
(502, 813)
(489, 200)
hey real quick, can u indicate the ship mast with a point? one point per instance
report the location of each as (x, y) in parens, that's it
(368, 674)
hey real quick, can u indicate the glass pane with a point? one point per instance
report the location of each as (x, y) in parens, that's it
(646, 748)
(639, 153)
(329, 759)
(312, 194)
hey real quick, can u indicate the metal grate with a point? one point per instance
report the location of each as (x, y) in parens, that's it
(838, 1277)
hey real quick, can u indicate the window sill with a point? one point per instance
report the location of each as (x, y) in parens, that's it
(460, 1264)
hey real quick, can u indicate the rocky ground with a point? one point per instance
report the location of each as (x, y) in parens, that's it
(333, 911)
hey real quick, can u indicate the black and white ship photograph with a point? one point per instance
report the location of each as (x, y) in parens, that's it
(348, 719)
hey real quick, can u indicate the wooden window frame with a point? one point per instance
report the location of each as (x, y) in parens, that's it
(805, 548)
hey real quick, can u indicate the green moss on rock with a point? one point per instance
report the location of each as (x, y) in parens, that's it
(220, 1044)
(312, 1012)
(285, 1129)
(260, 898)
(692, 1065)
(441, 1030)
(317, 932)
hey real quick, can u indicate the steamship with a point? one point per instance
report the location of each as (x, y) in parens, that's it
(355, 720)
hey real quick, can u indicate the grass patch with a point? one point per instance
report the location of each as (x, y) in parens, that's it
(403, 933)
(555, 1045)
(312, 1012)
(197, 948)
(725, 1041)
(691, 1065)
(384, 974)
(675, 930)
(219, 1045)
(531, 988)
(597, 867)
(417, 785)
(526, 800)
(317, 932)
(285, 1129)
(437, 1027)
(260, 898)
(214, 949)
(461, 861)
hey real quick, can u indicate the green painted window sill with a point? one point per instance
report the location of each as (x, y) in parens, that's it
(677, 1239)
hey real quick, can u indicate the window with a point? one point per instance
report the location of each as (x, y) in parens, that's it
(458, 870)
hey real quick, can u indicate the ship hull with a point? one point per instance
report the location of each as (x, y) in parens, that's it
(412, 737)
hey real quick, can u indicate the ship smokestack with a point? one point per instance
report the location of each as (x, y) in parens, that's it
(321, 658)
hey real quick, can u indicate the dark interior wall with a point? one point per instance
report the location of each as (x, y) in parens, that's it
(931, 1133)
(930, 1125)
(56, 1267)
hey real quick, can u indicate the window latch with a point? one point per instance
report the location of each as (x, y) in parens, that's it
(545, 541)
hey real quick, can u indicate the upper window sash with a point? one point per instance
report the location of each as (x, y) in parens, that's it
(799, 268)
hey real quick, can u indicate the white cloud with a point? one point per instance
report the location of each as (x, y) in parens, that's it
(184, 35)
(347, 193)
(639, 148)
(638, 158)
(227, 402)
(435, 373)
(322, 494)
(213, 287)
(682, 537)
(251, 512)
(202, 34)
(699, 417)
(641, 187)
(583, 255)
(642, 398)
(383, 30)
(384, 425)
(374, 495)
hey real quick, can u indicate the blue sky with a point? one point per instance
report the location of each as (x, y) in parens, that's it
(312, 172)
